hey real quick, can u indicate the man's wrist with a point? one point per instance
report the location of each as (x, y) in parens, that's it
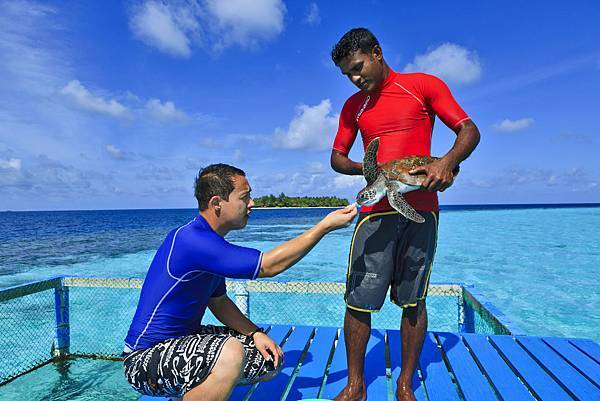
(257, 330)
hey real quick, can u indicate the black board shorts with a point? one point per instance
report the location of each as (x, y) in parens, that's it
(388, 250)
(175, 366)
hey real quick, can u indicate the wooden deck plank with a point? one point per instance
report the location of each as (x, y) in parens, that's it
(436, 377)
(533, 374)
(293, 348)
(471, 380)
(310, 376)
(585, 364)
(338, 371)
(277, 333)
(396, 364)
(568, 376)
(591, 348)
(375, 377)
(503, 378)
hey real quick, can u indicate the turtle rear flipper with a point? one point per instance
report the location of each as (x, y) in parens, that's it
(370, 161)
(398, 202)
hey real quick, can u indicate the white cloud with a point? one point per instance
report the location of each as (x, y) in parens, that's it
(513, 125)
(175, 28)
(211, 143)
(312, 15)
(165, 111)
(314, 168)
(451, 62)
(10, 164)
(349, 181)
(238, 155)
(244, 22)
(114, 152)
(167, 28)
(83, 98)
(312, 128)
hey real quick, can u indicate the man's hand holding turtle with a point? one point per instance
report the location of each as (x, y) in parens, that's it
(440, 175)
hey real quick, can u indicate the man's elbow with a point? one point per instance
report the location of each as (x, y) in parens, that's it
(266, 269)
(335, 162)
(469, 130)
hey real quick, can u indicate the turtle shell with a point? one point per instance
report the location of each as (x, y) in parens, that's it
(398, 169)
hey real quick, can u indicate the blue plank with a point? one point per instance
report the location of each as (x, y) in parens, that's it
(436, 377)
(471, 380)
(338, 371)
(503, 378)
(293, 348)
(536, 378)
(570, 378)
(581, 361)
(310, 376)
(396, 364)
(591, 348)
(375, 375)
(277, 333)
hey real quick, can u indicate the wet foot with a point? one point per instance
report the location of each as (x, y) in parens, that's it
(405, 393)
(352, 394)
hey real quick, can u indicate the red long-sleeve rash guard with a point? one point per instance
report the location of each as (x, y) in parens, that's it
(401, 113)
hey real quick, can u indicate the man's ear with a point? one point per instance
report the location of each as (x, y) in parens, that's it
(215, 203)
(376, 53)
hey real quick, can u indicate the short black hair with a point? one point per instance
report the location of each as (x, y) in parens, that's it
(215, 180)
(352, 41)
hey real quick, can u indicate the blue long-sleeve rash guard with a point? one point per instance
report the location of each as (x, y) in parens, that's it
(188, 269)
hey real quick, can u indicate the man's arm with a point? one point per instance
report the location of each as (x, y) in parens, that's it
(287, 254)
(439, 173)
(229, 314)
(341, 163)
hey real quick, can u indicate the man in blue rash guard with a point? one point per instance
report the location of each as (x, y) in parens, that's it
(168, 352)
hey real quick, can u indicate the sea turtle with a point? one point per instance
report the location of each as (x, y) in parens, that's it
(392, 179)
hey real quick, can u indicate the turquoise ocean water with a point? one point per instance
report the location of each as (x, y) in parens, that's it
(539, 265)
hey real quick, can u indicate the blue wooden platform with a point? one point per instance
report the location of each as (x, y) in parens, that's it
(452, 367)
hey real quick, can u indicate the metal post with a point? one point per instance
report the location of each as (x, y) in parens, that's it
(62, 342)
(461, 312)
(468, 325)
(242, 297)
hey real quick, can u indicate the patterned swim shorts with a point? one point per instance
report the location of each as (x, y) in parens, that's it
(173, 367)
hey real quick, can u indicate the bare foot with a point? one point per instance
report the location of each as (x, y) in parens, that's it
(404, 392)
(352, 393)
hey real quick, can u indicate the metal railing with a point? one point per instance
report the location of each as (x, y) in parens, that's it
(66, 317)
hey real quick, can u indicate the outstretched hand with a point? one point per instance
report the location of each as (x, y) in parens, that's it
(268, 348)
(340, 218)
(440, 175)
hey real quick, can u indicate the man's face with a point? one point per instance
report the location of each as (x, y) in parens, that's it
(236, 210)
(365, 70)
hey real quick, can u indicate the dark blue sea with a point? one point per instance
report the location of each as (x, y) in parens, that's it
(539, 264)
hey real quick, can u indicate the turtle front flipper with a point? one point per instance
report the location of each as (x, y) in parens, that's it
(370, 161)
(398, 202)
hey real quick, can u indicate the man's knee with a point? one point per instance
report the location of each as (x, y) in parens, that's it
(416, 310)
(363, 317)
(231, 359)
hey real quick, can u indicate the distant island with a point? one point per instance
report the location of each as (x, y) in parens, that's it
(294, 201)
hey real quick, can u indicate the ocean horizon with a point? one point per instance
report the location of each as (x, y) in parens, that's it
(473, 206)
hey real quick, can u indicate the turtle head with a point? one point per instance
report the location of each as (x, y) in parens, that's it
(368, 196)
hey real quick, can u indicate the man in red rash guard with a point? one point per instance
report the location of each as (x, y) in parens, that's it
(387, 249)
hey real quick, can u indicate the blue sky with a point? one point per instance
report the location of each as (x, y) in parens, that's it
(118, 104)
